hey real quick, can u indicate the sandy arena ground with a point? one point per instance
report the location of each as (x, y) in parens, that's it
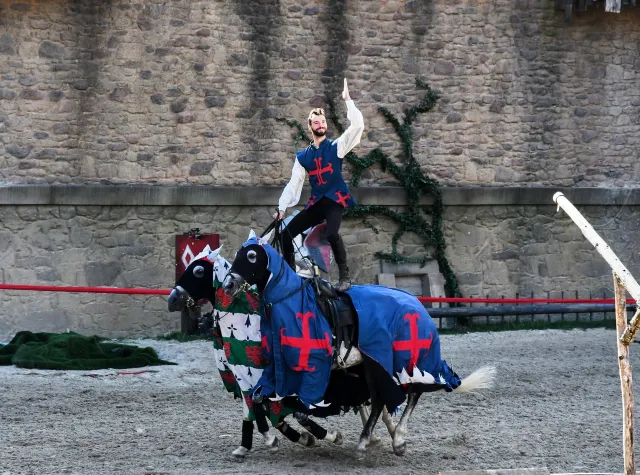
(556, 404)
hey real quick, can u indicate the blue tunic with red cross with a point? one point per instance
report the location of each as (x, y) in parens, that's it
(325, 173)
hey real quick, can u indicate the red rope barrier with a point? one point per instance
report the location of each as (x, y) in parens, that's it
(516, 301)
(116, 290)
(93, 290)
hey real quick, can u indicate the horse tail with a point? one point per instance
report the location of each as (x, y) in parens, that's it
(482, 378)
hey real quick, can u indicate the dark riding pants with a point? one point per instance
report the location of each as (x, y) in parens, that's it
(324, 210)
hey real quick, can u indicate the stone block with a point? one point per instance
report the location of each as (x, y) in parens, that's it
(102, 273)
(408, 268)
(433, 286)
(49, 49)
(410, 283)
(388, 280)
(8, 45)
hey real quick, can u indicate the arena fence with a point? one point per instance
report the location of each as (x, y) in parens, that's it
(449, 312)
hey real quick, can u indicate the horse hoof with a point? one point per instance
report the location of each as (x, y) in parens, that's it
(275, 445)
(338, 440)
(400, 449)
(307, 439)
(240, 453)
(374, 439)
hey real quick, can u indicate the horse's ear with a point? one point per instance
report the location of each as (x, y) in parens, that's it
(252, 234)
(265, 239)
(213, 254)
(203, 254)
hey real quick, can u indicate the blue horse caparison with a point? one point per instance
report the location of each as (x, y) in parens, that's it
(397, 337)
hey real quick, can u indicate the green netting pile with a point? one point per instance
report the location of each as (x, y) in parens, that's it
(72, 351)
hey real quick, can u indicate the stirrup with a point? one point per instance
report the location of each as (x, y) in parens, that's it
(326, 289)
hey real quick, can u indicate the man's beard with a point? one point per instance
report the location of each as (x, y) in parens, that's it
(317, 133)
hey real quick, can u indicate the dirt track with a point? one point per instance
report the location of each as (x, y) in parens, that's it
(556, 404)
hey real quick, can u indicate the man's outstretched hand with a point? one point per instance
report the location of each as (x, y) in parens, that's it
(345, 91)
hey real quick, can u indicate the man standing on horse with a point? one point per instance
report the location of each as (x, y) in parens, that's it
(330, 196)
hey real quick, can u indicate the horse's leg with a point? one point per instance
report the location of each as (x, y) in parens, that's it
(318, 431)
(247, 440)
(364, 415)
(399, 444)
(291, 434)
(367, 431)
(271, 441)
(386, 418)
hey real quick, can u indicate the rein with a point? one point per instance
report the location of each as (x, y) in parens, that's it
(277, 235)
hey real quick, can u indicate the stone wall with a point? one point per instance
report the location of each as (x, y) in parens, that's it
(500, 242)
(509, 250)
(188, 91)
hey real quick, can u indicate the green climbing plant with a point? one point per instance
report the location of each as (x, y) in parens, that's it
(424, 221)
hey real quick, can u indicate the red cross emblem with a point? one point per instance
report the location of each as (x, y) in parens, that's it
(343, 199)
(305, 342)
(414, 345)
(319, 170)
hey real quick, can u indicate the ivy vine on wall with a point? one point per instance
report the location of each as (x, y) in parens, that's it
(411, 177)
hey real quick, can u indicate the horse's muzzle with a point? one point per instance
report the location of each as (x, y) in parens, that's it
(179, 299)
(232, 284)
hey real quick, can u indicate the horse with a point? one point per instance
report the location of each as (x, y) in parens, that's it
(238, 348)
(397, 340)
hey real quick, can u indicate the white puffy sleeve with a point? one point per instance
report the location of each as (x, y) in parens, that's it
(291, 193)
(351, 137)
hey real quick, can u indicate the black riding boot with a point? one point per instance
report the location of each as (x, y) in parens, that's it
(340, 254)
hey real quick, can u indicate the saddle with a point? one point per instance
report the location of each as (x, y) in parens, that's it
(340, 313)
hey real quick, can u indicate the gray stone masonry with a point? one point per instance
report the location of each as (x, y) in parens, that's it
(78, 236)
(189, 91)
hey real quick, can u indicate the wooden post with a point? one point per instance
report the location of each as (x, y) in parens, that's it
(630, 333)
(626, 386)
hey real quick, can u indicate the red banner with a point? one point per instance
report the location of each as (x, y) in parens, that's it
(191, 244)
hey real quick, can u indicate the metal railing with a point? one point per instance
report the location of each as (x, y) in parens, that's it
(564, 306)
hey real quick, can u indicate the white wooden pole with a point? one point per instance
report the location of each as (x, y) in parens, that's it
(626, 386)
(605, 251)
